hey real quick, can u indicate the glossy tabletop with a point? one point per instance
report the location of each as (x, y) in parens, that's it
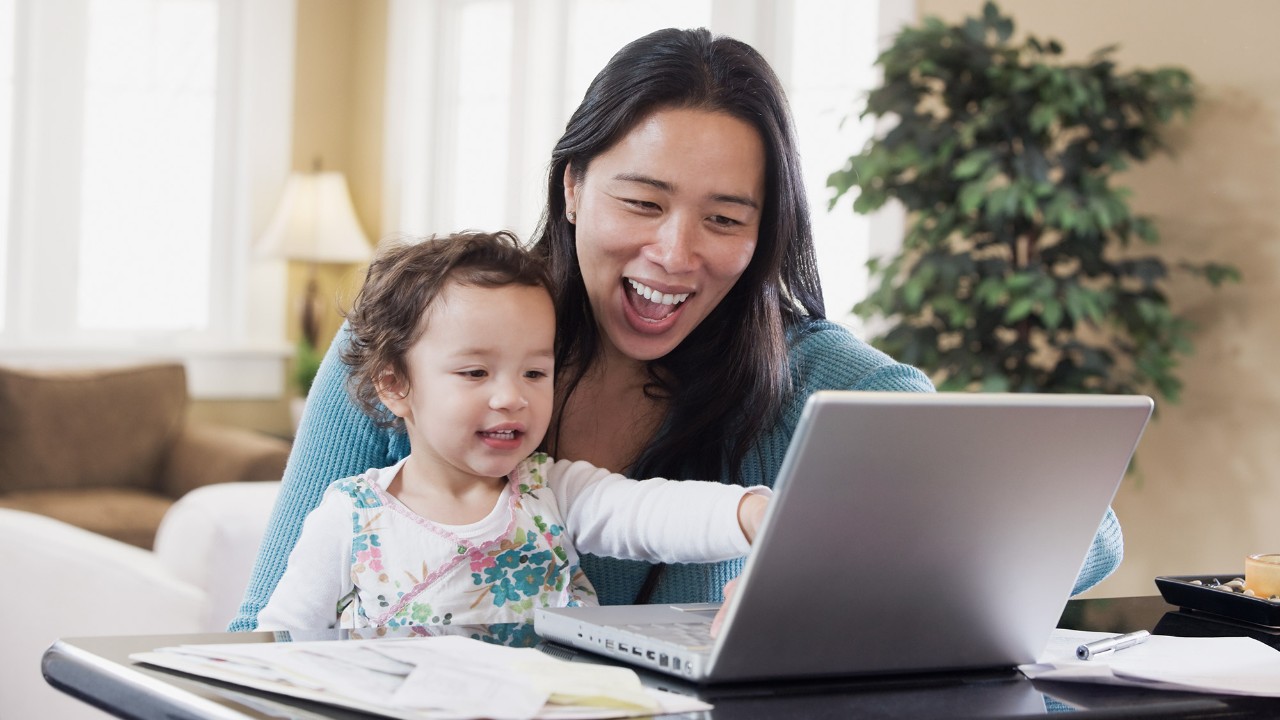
(98, 671)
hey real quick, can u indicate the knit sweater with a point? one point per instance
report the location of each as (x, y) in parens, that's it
(336, 439)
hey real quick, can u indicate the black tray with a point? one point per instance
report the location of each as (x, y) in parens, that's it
(1179, 590)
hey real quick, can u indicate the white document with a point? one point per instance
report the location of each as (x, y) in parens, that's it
(434, 678)
(1228, 665)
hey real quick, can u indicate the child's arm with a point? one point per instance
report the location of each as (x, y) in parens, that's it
(656, 520)
(318, 573)
(751, 513)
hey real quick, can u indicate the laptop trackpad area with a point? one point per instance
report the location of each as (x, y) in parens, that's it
(706, 611)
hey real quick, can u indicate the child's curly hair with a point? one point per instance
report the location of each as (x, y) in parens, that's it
(387, 317)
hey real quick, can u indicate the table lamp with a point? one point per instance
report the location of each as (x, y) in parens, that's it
(314, 223)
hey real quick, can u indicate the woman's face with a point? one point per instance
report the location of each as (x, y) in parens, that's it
(667, 221)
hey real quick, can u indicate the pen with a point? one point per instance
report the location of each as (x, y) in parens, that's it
(1111, 644)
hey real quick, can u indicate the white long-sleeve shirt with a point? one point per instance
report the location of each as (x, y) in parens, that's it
(366, 557)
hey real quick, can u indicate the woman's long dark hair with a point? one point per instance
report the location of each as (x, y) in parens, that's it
(726, 382)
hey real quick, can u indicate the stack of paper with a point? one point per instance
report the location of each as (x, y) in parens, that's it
(1227, 665)
(433, 677)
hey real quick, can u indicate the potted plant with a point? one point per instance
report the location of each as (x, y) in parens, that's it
(1018, 269)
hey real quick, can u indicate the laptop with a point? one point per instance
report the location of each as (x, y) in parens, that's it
(908, 533)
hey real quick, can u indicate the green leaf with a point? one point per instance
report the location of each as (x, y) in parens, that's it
(1019, 309)
(1043, 117)
(972, 164)
(913, 292)
(305, 366)
(1215, 273)
(972, 196)
(1020, 281)
(1051, 314)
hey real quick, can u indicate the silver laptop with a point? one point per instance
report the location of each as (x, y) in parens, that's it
(908, 533)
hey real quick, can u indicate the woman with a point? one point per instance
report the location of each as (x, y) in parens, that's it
(691, 327)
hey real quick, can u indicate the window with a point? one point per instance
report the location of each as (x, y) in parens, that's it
(138, 186)
(474, 106)
(146, 208)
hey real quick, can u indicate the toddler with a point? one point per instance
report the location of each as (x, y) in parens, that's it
(453, 340)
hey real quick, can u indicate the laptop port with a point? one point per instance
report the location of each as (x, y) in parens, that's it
(608, 644)
(636, 651)
(651, 656)
(675, 663)
(663, 660)
(622, 647)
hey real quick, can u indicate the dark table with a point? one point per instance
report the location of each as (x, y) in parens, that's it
(97, 670)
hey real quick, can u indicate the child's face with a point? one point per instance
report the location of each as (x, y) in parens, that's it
(480, 380)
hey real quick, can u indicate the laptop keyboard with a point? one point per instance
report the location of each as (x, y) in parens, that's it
(695, 636)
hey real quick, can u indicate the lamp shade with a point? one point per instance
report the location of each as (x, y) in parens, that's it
(315, 222)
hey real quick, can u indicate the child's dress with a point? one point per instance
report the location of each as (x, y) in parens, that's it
(407, 570)
(367, 560)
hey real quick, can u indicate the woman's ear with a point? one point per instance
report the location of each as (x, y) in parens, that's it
(570, 193)
(393, 391)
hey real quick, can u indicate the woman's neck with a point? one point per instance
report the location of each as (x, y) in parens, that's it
(608, 420)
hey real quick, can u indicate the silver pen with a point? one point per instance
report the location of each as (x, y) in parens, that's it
(1111, 644)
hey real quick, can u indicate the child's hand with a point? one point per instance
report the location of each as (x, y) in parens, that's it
(751, 514)
(729, 588)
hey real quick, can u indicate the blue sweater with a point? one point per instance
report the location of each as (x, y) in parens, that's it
(336, 440)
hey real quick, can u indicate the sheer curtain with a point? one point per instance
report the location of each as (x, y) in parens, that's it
(7, 21)
(147, 141)
(478, 91)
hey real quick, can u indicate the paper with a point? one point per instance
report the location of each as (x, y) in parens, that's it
(1228, 665)
(436, 678)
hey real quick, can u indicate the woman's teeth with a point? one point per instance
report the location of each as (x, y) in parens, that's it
(652, 295)
(500, 434)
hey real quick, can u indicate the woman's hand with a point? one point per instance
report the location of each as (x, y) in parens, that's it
(750, 515)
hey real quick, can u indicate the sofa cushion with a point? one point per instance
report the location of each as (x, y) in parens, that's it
(210, 538)
(108, 428)
(127, 515)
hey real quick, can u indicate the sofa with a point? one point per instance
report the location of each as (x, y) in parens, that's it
(111, 450)
(77, 583)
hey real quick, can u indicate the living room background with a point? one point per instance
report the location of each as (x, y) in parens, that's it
(1206, 492)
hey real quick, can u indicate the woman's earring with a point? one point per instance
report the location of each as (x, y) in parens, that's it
(571, 215)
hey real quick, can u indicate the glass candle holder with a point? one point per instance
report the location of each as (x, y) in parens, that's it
(1262, 575)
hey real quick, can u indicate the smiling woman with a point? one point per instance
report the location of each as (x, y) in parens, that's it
(673, 209)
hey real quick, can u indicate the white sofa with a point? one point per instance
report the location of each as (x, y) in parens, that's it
(64, 581)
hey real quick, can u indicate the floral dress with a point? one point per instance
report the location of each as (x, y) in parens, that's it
(407, 570)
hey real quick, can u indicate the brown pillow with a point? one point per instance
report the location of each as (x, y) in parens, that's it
(108, 428)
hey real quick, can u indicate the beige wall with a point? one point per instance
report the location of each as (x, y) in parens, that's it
(1208, 491)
